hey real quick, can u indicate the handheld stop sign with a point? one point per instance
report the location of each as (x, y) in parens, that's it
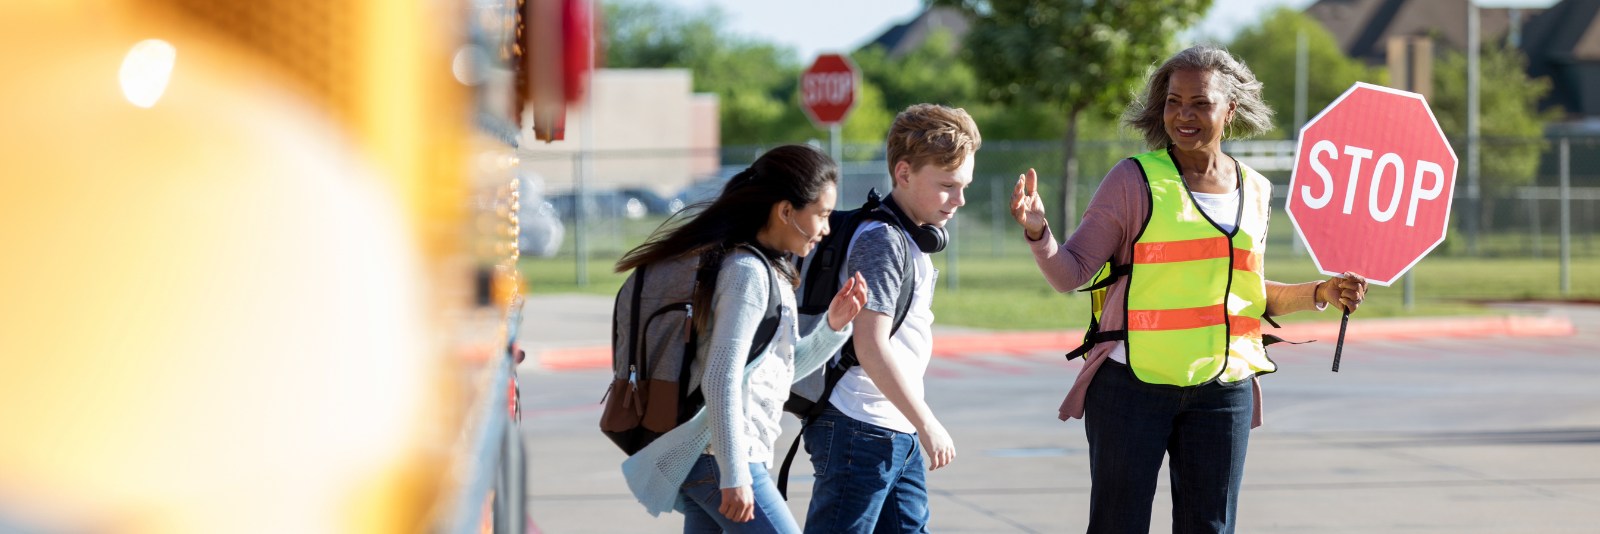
(1372, 186)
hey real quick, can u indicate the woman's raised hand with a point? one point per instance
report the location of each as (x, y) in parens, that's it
(1026, 206)
(851, 298)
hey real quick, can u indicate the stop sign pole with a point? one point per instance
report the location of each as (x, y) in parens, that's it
(828, 90)
(1372, 186)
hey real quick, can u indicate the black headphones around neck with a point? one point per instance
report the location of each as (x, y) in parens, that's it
(930, 239)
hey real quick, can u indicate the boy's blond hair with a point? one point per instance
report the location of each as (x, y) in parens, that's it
(931, 133)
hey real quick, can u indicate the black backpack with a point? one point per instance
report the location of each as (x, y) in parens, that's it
(653, 343)
(820, 275)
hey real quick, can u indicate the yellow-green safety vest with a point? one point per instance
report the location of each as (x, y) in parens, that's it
(1196, 294)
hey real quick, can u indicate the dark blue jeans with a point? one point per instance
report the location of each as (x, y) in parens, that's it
(1202, 430)
(868, 478)
(702, 491)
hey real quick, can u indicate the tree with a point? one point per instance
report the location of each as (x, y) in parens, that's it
(933, 72)
(869, 120)
(1510, 125)
(1083, 56)
(936, 72)
(1269, 49)
(756, 82)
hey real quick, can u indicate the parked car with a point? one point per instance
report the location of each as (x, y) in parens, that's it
(654, 204)
(540, 228)
(707, 189)
(629, 203)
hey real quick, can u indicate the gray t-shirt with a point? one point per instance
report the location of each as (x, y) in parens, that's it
(879, 255)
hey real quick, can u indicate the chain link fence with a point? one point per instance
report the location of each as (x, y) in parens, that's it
(1553, 214)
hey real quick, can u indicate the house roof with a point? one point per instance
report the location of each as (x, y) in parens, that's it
(903, 38)
(1568, 31)
(1363, 27)
(1563, 44)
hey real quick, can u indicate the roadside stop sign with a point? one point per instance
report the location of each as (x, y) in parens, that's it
(828, 89)
(1372, 183)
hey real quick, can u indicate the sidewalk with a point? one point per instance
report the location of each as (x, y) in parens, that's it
(1483, 425)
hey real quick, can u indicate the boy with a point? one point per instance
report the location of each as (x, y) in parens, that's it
(866, 448)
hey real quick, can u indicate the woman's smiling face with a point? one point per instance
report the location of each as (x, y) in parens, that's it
(1197, 110)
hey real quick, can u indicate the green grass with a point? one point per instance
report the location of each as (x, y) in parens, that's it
(1010, 294)
(995, 284)
(559, 275)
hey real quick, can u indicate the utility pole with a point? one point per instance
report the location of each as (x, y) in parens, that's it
(1411, 69)
(1302, 75)
(1566, 216)
(1475, 213)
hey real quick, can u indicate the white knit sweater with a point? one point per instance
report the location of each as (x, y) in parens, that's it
(743, 402)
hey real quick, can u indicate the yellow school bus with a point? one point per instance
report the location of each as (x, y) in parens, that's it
(259, 264)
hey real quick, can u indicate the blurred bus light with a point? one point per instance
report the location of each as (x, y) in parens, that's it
(146, 70)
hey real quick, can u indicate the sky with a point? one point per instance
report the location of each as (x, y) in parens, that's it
(816, 26)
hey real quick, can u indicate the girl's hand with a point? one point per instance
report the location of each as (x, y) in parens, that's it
(1026, 206)
(851, 298)
(738, 504)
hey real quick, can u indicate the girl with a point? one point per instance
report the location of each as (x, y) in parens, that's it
(713, 468)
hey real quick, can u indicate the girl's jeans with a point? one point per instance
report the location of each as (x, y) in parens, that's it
(702, 496)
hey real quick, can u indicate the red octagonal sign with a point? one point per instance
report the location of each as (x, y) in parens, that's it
(1372, 183)
(828, 89)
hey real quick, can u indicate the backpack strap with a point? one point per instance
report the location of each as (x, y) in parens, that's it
(902, 301)
(766, 331)
(636, 359)
(768, 328)
(830, 378)
(821, 269)
(831, 374)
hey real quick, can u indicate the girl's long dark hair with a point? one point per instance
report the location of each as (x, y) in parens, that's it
(795, 173)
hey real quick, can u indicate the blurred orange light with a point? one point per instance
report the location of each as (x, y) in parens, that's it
(146, 70)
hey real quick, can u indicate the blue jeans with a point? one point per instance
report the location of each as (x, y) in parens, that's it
(868, 478)
(702, 494)
(1203, 430)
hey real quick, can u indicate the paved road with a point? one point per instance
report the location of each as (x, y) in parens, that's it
(1444, 435)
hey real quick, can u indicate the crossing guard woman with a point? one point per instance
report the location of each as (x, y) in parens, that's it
(1173, 244)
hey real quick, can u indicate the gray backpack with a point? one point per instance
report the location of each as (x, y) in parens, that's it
(654, 342)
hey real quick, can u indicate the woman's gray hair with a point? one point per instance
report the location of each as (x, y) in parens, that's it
(1251, 115)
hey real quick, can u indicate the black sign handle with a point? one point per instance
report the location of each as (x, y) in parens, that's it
(1339, 347)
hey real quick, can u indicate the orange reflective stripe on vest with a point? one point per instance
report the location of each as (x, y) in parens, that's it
(1193, 318)
(1245, 260)
(1175, 251)
(1180, 319)
(1196, 249)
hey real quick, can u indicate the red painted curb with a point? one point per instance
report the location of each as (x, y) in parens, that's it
(571, 358)
(1402, 329)
(961, 345)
